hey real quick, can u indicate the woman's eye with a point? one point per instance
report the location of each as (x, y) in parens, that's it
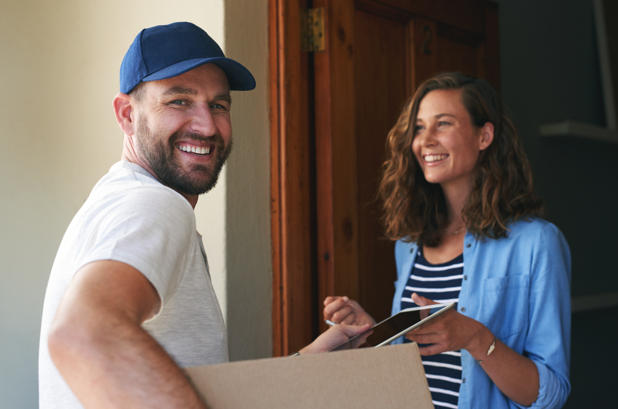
(417, 128)
(442, 123)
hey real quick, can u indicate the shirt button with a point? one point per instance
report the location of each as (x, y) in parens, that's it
(465, 277)
(468, 245)
(463, 309)
(463, 380)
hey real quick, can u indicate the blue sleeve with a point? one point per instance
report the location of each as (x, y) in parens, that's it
(404, 257)
(548, 341)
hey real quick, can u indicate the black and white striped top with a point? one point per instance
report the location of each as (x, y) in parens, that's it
(441, 283)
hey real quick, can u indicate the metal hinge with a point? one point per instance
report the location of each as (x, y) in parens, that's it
(312, 29)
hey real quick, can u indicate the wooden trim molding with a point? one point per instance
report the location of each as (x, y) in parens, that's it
(336, 185)
(290, 176)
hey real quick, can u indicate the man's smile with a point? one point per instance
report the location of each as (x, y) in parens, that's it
(199, 150)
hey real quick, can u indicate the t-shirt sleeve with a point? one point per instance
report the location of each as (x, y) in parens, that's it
(148, 228)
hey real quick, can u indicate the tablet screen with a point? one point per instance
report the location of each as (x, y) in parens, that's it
(390, 327)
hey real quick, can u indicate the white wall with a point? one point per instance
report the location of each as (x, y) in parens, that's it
(249, 279)
(59, 66)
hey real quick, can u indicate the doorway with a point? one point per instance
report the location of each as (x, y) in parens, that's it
(331, 111)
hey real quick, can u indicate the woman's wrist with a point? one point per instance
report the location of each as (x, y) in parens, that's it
(489, 351)
(482, 343)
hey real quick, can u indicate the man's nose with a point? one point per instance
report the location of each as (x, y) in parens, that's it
(203, 121)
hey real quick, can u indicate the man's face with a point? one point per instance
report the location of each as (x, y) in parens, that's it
(183, 128)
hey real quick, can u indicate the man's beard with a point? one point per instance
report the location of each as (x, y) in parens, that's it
(160, 157)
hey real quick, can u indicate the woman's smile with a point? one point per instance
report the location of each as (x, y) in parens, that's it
(434, 159)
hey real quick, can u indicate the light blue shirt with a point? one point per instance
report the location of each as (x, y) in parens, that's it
(519, 288)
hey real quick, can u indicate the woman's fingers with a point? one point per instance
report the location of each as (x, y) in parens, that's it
(427, 338)
(449, 332)
(346, 311)
(348, 320)
(344, 315)
(432, 349)
(332, 298)
(422, 301)
(337, 309)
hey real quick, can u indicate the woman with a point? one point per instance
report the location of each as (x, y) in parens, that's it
(458, 199)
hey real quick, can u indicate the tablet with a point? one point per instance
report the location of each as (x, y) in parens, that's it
(385, 332)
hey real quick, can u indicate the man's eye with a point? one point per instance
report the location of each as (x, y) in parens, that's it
(178, 102)
(217, 106)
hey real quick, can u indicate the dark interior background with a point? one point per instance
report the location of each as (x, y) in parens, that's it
(550, 73)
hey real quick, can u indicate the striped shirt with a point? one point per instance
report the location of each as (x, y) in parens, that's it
(441, 283)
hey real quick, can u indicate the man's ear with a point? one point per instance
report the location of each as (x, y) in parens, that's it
(123, 109)
(486, 136)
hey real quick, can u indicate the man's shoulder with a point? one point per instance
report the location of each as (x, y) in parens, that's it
(127, 183)
(125, 176)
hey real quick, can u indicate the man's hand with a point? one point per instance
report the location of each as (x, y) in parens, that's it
(98, 345)
(342, 310)
(334, 337)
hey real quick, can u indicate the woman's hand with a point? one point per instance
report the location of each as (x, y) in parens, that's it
(342, 310)
(334, 337)
(451, 331)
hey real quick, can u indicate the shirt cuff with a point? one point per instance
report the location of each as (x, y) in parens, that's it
(553, 390)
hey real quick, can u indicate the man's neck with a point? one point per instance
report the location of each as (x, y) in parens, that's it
(129, 156)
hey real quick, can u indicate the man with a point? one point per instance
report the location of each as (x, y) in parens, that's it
(129, 301)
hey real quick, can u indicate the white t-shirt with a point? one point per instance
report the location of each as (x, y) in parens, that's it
(132, 218)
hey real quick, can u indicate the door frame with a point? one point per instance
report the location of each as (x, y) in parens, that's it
(290, 177)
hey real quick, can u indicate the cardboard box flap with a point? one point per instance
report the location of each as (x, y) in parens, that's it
(386, 377)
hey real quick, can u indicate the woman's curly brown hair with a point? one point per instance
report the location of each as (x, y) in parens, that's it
(415, 210)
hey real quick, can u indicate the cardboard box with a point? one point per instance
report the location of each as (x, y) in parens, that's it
(386, 377)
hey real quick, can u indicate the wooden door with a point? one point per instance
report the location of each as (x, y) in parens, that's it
(377, 53)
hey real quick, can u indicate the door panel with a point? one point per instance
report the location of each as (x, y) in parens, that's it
(456, 54)
(380, 69)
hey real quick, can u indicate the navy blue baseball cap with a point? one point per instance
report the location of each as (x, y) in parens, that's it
(162, 52)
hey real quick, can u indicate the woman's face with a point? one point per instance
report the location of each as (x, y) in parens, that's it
(446, 144)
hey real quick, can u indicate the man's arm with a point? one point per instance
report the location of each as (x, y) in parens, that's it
(98, 345)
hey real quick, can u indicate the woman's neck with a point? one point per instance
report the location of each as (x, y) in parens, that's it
(452, 240)
(456, 196)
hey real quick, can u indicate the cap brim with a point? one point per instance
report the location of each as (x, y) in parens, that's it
(239, 77)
